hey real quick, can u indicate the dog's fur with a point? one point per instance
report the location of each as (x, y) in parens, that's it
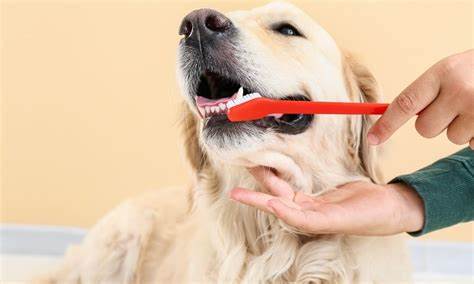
(171, 236)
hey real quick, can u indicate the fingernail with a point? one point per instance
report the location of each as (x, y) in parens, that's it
(373, 139)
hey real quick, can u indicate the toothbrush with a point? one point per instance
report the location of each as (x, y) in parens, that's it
(254, 106)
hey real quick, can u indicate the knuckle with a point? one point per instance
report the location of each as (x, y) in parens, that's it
(449, 63)
(459, 81)
(467, 88)
(406, 102)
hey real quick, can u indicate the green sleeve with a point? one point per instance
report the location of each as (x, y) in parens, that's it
(447, 190)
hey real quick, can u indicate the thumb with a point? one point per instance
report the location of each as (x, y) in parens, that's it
(411, 101)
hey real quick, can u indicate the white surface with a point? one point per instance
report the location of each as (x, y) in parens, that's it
(27, 251)
(442, 262)
(21, 268)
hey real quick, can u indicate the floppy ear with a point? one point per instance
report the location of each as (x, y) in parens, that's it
(194, 153)
(362, 87)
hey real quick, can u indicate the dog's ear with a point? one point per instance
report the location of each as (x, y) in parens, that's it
(362, 87)
(194, 153)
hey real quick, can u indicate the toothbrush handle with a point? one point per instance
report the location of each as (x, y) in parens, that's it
(261, 107)
(305, 107)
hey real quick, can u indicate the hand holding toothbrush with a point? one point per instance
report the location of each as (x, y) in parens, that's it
(445, 96)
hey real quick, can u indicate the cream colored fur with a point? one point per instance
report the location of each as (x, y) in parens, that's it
(201, 236)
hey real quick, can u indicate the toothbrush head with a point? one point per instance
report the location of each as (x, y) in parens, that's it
(248, 107)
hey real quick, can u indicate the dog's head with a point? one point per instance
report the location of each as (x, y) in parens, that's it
(281, 53)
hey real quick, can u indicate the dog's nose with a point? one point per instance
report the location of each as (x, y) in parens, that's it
(203, 24)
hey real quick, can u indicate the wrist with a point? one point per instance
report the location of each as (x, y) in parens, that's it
(411, 207)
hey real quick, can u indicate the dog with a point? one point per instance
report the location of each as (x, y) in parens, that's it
(201, 235)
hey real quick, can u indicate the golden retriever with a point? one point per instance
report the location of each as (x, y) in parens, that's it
(165, 237)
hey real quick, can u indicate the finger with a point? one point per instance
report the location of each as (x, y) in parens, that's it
(461, 130)
(300, 198)
(252, 198)
(306, 221)
(435, 118)
(411, 101)
(272, 182)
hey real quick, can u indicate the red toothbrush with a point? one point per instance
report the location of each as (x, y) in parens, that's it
(254, 106)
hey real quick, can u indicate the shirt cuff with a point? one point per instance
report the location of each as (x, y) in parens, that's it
(447, 190)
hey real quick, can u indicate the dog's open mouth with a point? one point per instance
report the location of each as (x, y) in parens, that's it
(215, 91)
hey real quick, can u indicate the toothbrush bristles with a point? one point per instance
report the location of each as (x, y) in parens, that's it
(242, 100)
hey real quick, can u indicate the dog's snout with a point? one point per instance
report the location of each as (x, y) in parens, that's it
(203, 24)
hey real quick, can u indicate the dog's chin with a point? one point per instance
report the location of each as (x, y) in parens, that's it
(229, 142)
(247, 146)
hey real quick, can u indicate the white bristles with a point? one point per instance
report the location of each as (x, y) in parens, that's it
(240, 93)
(244, 99)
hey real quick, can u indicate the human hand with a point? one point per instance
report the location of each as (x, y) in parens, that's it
(357, 208)
(445, 96)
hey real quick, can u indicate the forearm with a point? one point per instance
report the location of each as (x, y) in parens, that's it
(446, 189)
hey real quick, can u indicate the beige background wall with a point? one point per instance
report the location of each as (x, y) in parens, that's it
(89, 99)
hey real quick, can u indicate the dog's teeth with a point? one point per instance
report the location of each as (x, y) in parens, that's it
(222, 106)
(240, 93)
(208, 110)
(215, 109)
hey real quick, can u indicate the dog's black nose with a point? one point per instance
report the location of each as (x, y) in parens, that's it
(204, 24)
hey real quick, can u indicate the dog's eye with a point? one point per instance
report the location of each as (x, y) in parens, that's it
(287, 29)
